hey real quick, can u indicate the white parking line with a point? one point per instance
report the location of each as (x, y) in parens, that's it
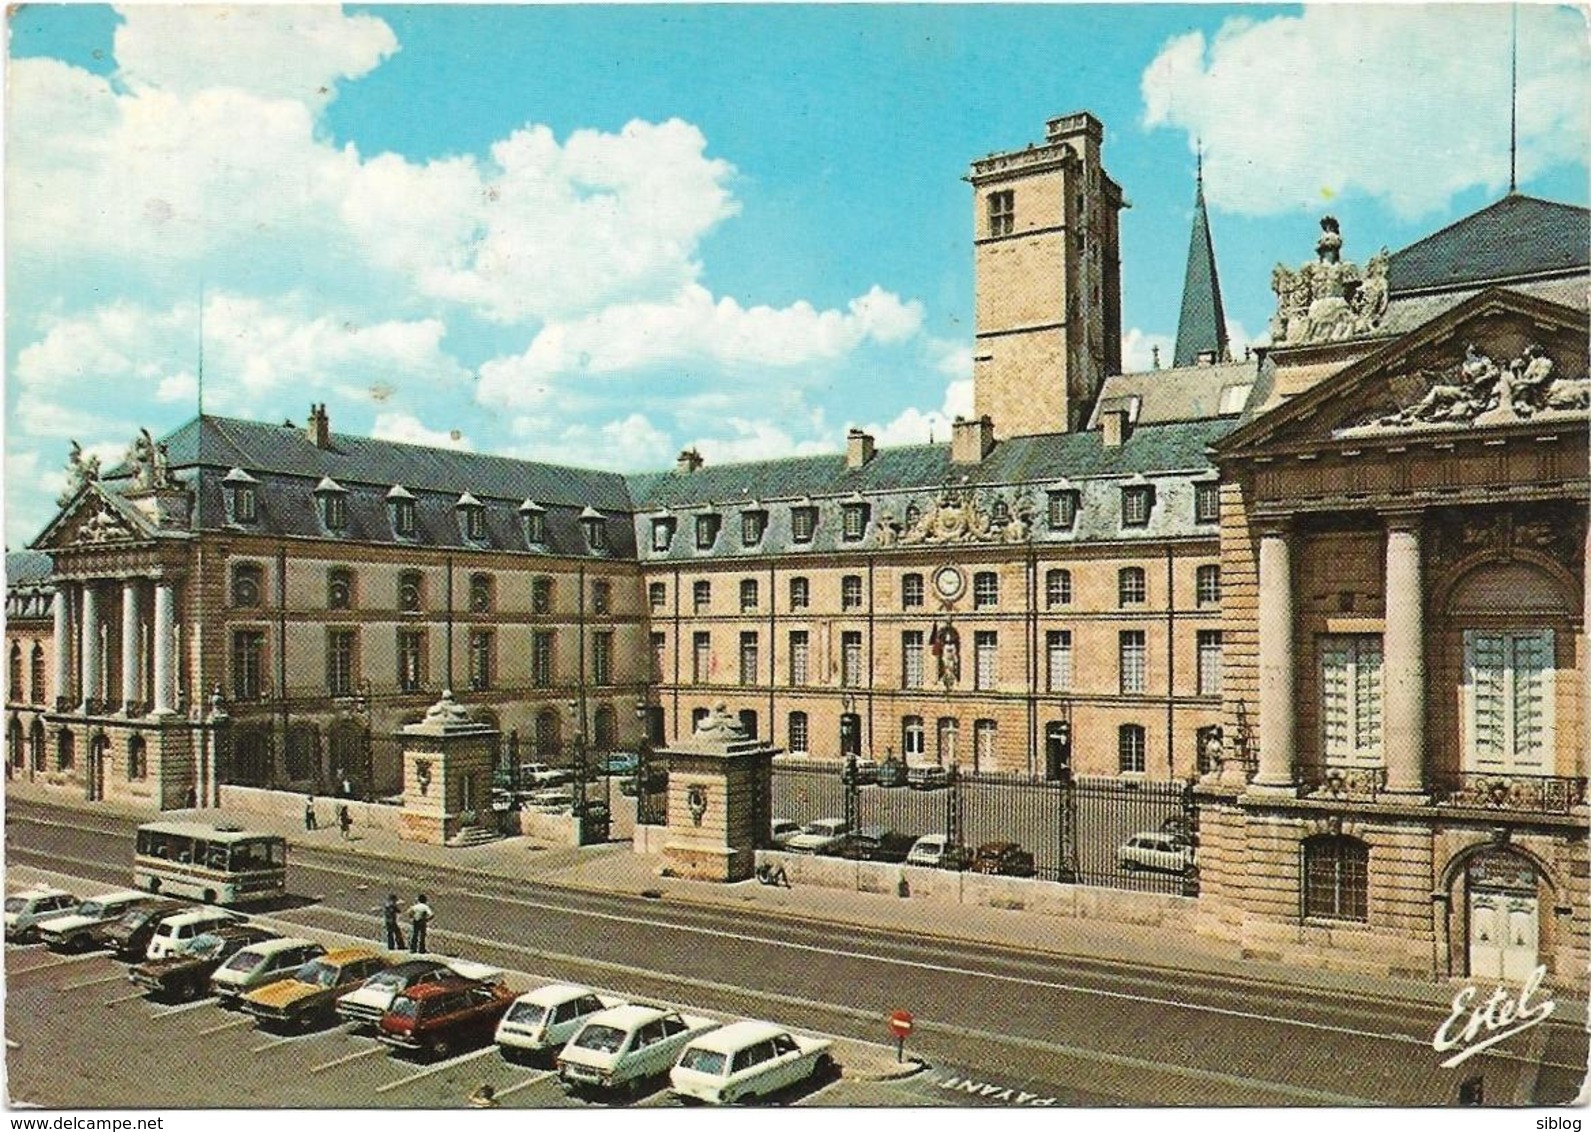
(355, 1056)
(535, 1078)
(63, 961)
(232, 1025)
(118, 977)
(187, 1006)
(437, 1068)
(274, 1044)
(124, 998)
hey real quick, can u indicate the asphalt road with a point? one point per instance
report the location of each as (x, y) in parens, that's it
(1011, 1022)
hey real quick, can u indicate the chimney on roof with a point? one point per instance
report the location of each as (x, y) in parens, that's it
(688, 461)
(1116, 426)
(319, 428)
(971, 441)
(858, 448)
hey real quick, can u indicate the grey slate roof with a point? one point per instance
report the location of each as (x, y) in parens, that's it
(1184, 393)
(1202, 325)
(26, 566)
(1517, 236)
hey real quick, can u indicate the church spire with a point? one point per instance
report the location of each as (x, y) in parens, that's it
(1202, 327)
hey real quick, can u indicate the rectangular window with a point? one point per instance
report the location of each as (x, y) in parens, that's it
(248, 664)
(701, 596)
(1336, 879)
(334, 510)
(662, 534)
(911, 591)
(1132, 586)
(855, 522)
(480, 660)
(602, 658)
(1134, 661)
(1136, 503)
(748, 595)
(803, 522)
(340, 662)
(1207, 585)
(1350, 698)
(1510, 701)
(535, 526)
(411, 648)
(1209, 662)
(403, 517)
(541, 595)
(480, 593)
(985, 734)
(851, 659)
(1058, 647)
(800, 674)
(800, 593)
(1131, 749)
(475, 523)
(656, 595)
(985, 589)
(601, 597)
(799, 738)
(659, 656)
(701, 657)
(985, 642)
(541, 658)
(913, 740)
(1063, 510)
(1002, 212)
(748, 659)
(911, 651)
(1058, 588)
(245, 504)
(596, 533)
(1206, 503)
(706, 531)
(949, 734)
(752, 524)
(851, 591)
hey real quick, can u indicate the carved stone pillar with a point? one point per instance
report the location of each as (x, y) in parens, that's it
(1403, 658)
(63, 642)
(131, 672)
(1277, 679)
(165, 648)
(89, 644)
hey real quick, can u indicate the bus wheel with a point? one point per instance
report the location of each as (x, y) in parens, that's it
(154, 884)
(209, 896)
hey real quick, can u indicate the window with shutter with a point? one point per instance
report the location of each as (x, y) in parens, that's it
(1510, 693)
(1060, 660)
(1350, 698)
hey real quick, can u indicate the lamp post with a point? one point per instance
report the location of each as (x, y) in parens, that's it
(643, 764)
(578, 790)
(213, 737)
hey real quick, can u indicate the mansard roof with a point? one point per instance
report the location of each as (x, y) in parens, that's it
(27, 567)
(1516, 237)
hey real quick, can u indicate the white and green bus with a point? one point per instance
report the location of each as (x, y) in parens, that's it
(203, 862)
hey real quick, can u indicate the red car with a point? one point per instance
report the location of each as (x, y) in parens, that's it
(1003, 858)
(445, 1016)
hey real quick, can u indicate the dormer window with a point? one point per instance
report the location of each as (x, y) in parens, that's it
(662, 533)
(706, 531)
(854, 512)
(596, 528)
(803, 522)
(1063, 509)
(243, 496)
(534, 516)
(753, 522)
(400, 506)
(1207, 502)
(332, 499)
(472, 517)
(1137, 500)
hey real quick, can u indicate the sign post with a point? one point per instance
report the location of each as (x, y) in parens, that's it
(900, 1025)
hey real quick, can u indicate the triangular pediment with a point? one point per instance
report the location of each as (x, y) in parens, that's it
(1501, 360)
(93, 517)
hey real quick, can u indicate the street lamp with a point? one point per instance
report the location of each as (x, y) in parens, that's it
(643, 760)
(579, 789)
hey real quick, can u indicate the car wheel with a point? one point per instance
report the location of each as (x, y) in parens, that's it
(822, 1069)
(439, 1048)
(187, 990)
(1129, 866)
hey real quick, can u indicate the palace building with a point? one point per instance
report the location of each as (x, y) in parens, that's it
(1340, 583)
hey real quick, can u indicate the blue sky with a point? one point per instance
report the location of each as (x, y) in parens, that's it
(598, 235)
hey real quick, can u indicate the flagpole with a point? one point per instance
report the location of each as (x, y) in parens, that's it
(201, 347)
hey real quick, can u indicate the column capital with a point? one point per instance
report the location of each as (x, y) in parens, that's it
(1403, 518)
(1273, 526)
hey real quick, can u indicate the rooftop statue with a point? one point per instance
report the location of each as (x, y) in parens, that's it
(80, 471)
(1329, 299)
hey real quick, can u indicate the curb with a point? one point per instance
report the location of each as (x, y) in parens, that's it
(896, 1072)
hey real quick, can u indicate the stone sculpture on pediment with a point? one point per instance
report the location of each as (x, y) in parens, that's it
(80, 470)
(889, 532)
(958, 518)
(151, 462)
(102, 527)
(1478, 391)
(1330, 298)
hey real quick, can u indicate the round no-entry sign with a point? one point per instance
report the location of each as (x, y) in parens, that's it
(900, 1023)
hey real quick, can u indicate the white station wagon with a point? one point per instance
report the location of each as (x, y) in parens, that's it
(819, 836)
(269, 961)
(547, 1017)
(1159, 851)
(746, 1060)
(75, 930)
(625, 1046)
(26, 910)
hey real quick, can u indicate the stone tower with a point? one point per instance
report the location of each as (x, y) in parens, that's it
(1047, 280)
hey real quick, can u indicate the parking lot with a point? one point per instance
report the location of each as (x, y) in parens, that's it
(81, 1035)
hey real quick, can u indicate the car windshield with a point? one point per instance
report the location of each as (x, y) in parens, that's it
(404, 1008)
(16, 904)
(91, 909)
(389, 980)
(245, 961)
(527, 1013)
(204, 945)
(318, 973)
(703, 1061)
(603, 1039)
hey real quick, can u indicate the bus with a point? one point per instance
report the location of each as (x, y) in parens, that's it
(203, 862)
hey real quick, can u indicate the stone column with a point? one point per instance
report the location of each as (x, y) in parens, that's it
(131, 684)
(88, 642)
(1277, 683)
(165, 648)
(1403, 658)
(63, 641)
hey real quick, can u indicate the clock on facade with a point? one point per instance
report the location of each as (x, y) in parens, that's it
(948, 583)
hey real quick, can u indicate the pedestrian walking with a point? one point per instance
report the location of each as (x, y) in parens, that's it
(389, 920)
(310, 821)
(419, 916)
(345, 822)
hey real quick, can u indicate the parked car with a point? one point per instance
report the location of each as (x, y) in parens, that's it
(444, 1016)
(174, 931)
(551, 799)
(892, 772)
(928, 777)
(129, 936)
(1003, 858)
(781, 830)
(1160, 852)
(186, 974)
(260, 964)
(25, 910)
(85, 926)
(540, 776)
(876, 843)
(310, 995)
(821, 836)
(544, 1019)
(864, 772)
(366, 1003)
(934, 851)
(746, 1060)
(621, 1048)
(617, 763)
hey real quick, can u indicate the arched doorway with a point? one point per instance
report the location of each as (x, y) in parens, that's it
(98, 755)
(1502, 915)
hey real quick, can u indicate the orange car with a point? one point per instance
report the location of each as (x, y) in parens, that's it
(309, 996)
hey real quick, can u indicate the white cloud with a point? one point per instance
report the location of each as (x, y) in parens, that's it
(1138, 350)
(757, 440)
(914, 426)
(407, 429)
(693, 329)
(626, 444)
(1405, 102)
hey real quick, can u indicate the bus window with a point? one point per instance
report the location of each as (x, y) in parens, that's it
(217, 858)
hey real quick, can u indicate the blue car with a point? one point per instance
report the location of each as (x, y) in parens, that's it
(617, 763)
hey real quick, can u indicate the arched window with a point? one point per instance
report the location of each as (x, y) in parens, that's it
(14, 674)
(340, 588)
(137, 759)
(14, 753)
(949, 733)
(1131, 586)
(1335, 883)
(36, 744)
(913, 744)
(799, 733)
(480, 593)
(985, 734)
(604, 728)
(247, 584)
(1131, 746)
(548, 743)
(36, 676)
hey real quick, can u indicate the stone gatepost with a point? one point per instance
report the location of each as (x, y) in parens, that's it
(447, 773)
(719, 789)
